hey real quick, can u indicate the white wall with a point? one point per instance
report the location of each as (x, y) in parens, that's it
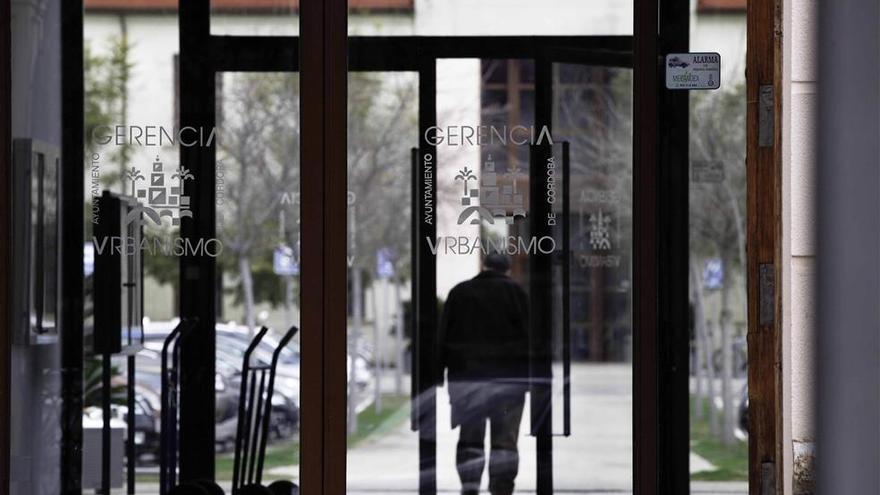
(458, 103)
(523, 17)
(724, 33)
(799, 248)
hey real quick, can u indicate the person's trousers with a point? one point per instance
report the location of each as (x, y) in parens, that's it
(504, 418)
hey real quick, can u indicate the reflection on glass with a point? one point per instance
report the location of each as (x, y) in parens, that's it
(592, 116)
(382, 130)
(258, 219)
(485, 353)
(129, 76)
(478, 430)
(34, 362)
(719, 390)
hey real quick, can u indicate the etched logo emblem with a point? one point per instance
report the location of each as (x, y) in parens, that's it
(157, 199)
(496, 196)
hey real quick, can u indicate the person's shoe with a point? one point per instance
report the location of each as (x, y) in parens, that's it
(505, 488)
(470, 492)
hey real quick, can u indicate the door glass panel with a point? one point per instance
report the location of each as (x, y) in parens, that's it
(132, 146)
(592, 117)
(258, 222)
(512, 219)
(485, 121)
(382, 130)
(719, 426)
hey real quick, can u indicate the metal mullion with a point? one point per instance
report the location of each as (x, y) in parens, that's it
(370, 53)
(540, 286)
(311, 231)
(645, 259)
(672, 164)
(72, 216)
(254, 53)
(425, 330)
(324, 204)
(598, 58)
(516, 46)
(197, 98)
(335, 268)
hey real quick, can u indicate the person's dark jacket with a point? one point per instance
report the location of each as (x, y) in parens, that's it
(484, 331)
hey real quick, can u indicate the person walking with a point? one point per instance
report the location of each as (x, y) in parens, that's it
(484, 351)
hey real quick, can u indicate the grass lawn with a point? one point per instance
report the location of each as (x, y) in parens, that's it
(395, 410)
(731, 461)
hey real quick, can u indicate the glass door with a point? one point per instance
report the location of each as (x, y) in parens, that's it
(490, 330)
(492, 325)
(471, 209)
(591, 337)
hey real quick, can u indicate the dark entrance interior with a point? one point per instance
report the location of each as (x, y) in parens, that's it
(657, 260)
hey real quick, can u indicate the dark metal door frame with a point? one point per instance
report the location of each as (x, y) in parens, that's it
(660, 274)
(660, 216)
(72, 197)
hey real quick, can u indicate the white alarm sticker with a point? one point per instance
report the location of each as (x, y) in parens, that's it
(693, 71)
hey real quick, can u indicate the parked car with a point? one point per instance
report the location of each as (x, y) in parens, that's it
(232, 343)
(149, 386)
(677, 62)
(146, 422)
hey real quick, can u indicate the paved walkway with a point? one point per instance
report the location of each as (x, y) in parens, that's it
(595, 459)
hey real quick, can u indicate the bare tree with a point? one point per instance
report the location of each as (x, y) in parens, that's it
(258, 155)
(382, 129)
(593, 113)
(717, 220)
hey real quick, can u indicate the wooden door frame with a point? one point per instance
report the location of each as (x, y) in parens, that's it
(764, 245)
(324, 97)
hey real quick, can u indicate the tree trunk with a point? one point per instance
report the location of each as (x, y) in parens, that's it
(740, 225)
(288, 302)
(377, 358)
(699, 322)
(353, 338)
(247, 289)
(727, 360)
(708, 347)
(705, 342)
(398, 341)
